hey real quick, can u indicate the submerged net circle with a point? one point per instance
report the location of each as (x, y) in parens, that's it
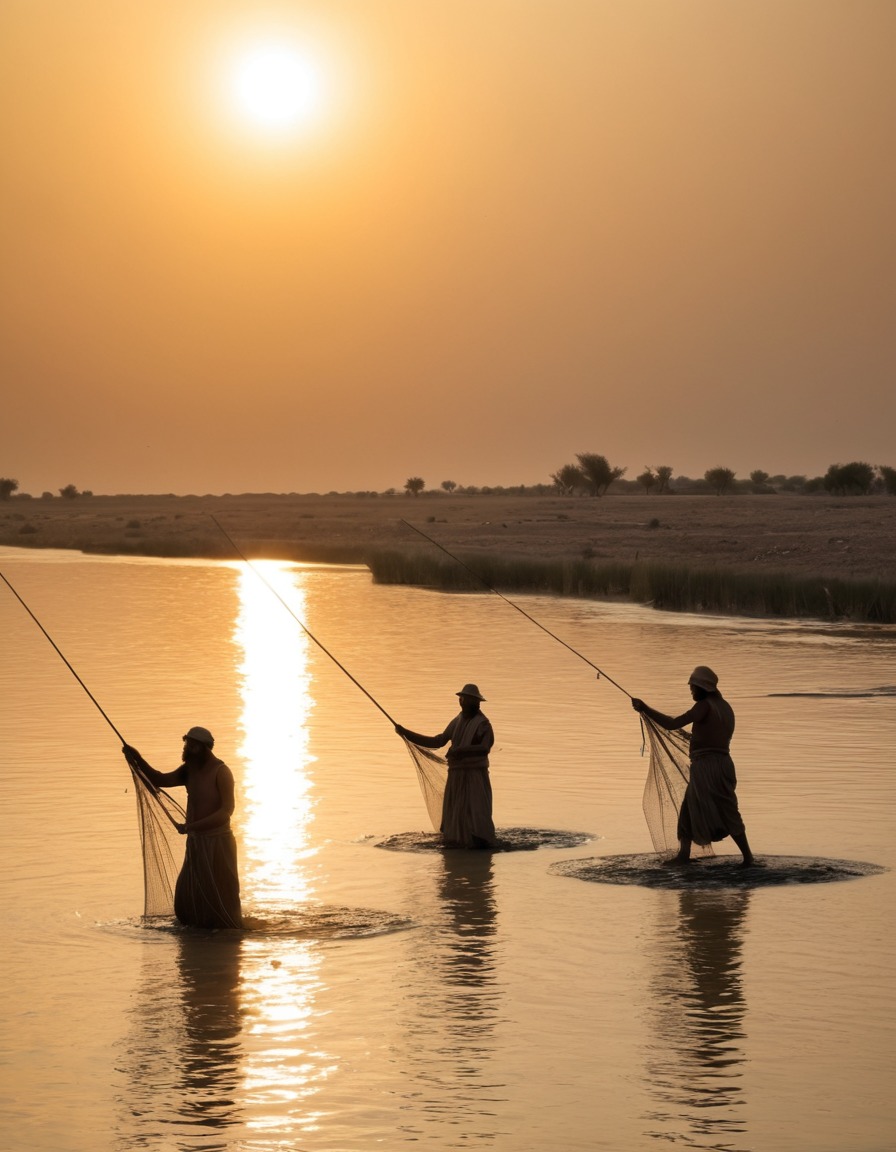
(509, 840)
(649, 871)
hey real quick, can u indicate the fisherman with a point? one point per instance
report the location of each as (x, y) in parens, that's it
(709, 810)
(467, 805)
(207, 893)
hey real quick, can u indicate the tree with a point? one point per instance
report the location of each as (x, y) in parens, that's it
(853, 479)
(414, 485)
(598, 474)
(663, 476)
(888, 475)
(448, 485)
(568, 479)
(69, 492)
(721, 479)
(760, 482)
(647, 479)
(7, 487)
(787, 483)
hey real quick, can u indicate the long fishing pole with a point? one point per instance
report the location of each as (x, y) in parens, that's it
(308, 633)
(64, 661)
(522, 611)
(133, 767)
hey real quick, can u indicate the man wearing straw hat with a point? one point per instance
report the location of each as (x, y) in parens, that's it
(467, 805)
(709, 810)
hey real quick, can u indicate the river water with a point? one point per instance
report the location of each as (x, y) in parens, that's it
(415, 998)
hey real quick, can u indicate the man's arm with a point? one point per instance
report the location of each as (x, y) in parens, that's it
(423, 741)
(669, 722)
(145, 769)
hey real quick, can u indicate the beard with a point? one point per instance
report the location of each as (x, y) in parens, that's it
(195, 756)
(469, 708)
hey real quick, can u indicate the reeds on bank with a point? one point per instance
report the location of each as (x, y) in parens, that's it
(667, 587)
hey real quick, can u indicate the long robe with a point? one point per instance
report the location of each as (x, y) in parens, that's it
(709, 810)
(207, 893)
(467, 804)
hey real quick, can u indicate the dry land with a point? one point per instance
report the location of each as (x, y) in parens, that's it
(782, 537)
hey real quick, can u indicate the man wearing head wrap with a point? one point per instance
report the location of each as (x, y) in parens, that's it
(467, 806)
(207, 893)
(709, 810)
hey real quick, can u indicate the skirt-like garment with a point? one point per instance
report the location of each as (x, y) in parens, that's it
(467, 809)
(709, 810)
(207, 893)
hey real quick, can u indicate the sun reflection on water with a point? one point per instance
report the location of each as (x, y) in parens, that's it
(277, 804)
(286, 1068)
(281, 973)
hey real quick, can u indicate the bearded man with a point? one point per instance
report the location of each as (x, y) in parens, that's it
(207, 893)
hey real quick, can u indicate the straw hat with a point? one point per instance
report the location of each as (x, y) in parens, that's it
(201, 735)
(470, 690)
(704, 678)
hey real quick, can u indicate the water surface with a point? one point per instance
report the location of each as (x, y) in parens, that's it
(410, 997)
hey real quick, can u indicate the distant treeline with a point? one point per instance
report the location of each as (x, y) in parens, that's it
(593, 475)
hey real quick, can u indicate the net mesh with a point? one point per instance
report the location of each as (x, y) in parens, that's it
(432, 775)
(667, 779)
(163, 847)
(162, 844)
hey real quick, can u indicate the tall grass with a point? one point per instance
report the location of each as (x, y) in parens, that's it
(665, 586)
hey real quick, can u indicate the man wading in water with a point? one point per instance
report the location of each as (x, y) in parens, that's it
(207, 893)
(467, 806)
(709, 810)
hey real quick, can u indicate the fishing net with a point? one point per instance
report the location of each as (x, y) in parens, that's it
(432, 775)
(162, 844)
(667, 780)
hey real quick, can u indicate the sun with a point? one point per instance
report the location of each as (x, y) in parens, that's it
(275, 87)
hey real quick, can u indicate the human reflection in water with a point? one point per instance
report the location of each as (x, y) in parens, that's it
(458, 1000)
(186, 1053)
(699, 1008)
(466, 962)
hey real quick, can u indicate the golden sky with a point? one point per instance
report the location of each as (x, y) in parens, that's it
(330, 245)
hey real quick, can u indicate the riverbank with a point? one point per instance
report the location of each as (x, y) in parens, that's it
(618, 545)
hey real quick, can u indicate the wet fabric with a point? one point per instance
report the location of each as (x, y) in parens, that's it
(709, 809)
(207, 892)
(467, 809)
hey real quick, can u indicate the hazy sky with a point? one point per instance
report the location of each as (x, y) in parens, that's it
(459, 239)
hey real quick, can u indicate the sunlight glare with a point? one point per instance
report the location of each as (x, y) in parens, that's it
(278, 802)
(284, 1067)
(276, 88)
